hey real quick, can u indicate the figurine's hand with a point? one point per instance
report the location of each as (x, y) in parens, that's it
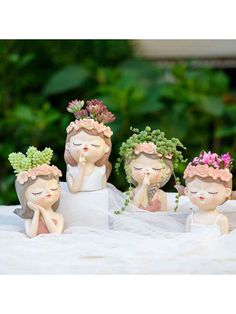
(82, 160)
(146, 180)
(33, 206)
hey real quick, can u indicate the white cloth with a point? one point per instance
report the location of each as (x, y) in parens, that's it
(137, 242)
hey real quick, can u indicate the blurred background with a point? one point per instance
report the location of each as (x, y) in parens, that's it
(185, 88)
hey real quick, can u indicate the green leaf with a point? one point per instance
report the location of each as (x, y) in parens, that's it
(66, 79)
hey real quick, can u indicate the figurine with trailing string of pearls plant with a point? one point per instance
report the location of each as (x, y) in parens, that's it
(149, 158)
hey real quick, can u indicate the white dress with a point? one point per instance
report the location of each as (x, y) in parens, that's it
(211, 230)
(94, 181)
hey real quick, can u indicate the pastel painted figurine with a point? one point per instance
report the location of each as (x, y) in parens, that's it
(38, 189)
(88, 146)
(208, 185)
(149, 157)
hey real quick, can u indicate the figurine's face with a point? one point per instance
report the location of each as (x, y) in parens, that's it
(206, 195)
(92, 147)
(42, 192)
(156, 169)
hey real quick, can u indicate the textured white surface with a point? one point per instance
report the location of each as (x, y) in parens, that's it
(135, 243)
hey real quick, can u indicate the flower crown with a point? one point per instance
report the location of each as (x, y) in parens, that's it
(150, 142)
(93, 116)
(210, 165)
(33, 164)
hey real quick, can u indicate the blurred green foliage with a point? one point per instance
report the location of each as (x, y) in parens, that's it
(38, 78)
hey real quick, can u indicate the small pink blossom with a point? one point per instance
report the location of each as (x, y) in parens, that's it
(22, 177)
(226, 159)
(148, 148)
(226, 175)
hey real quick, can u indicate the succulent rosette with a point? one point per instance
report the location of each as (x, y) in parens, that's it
(93, 115)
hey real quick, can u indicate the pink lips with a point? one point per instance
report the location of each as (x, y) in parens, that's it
(85, 149)
(201, 197)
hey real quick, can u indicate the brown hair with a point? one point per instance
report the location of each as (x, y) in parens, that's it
(103, 161)
(168, 162)
(25, 212)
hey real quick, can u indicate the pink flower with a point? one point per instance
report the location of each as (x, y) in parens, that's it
(41, 170)
(226, 175)
(108, 132)
(88, 123)
(70, 127)
(148, 148)
(190, 171)
(22, 177)
(202, 170)
(214, 173)
(226, 159)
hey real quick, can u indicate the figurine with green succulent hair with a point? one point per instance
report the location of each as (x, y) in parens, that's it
(38, 189)
(149, 159)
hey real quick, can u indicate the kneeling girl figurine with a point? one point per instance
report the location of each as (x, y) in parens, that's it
(149, 158)
(38, 189)
(88, 146)
(208, 185)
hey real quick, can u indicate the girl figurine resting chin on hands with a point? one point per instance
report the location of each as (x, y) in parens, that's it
(208, 185)
(38, 190)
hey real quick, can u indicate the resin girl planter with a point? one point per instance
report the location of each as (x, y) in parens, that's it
(38, 190)
(149, 159)
(88, 146)
(208, 185)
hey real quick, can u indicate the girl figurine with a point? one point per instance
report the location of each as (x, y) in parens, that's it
(38, 190)
(149, 158)
(208, 185)
(88, 146)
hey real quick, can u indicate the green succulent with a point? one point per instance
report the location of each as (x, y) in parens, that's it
(33, 158)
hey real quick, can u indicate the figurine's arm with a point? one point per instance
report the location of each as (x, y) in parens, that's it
(75, 183)
(188, 222)
(142, 193)
(52, 227)
(224, 224)
(31, 225)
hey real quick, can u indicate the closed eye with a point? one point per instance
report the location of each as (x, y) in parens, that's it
(77, 144)
(38, 193)
(136, 168)
(156, 169)
(55, 189)
(193, 192)
(213, 193)
(95, 145)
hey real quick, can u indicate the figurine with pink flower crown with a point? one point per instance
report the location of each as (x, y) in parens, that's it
(149, 158)
(38, 190)
(208, 185)
(88, 146)
(87, 199)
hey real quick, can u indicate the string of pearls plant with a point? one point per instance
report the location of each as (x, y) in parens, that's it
(165, 147)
